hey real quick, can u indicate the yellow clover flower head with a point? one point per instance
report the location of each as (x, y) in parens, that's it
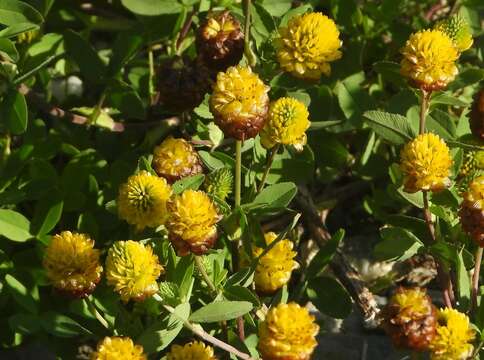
(192, 223)
(275, 268)
(472, 211)
(288, 332)
(429, 60)
(457, 28)
(287, 124)
(118, 348)
(426, 162)
(174, 159)
(307, 45)
(195, 350)
(132, 269)
(72, 264)
(410, 319)
(142, 200)
(453, 337)
(239, 102)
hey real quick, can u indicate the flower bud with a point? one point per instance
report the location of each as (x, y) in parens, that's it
(472, 211)
(410, 319)
(72, 264)
(182, 83)
(457, 28)
(192, 223)
(476, 118)
(426, 163)
(239, 102)
(132, 269)
(175, 159)
(219, 183)
(288, 333)
(220, 41)
(429, 58)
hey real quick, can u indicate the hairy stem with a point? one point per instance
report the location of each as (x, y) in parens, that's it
(247, 49)
(238, 171)
(203, 271)
(198, 330)
(97, 110)
(424, 107)
(475, 278)
(270, 160)
(151, 84)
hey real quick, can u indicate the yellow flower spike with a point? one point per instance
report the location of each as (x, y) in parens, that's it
(426, 163)
(410, 319)
(288, 332)
(275, 268)
(287, 124)
(195, 350)
(429, 60)
(239, 102)
(472, 211)
(192, 222)
(142, 200)
(174, 159)
(307, 45)
(453, 340)
(72, 264)
(118, 348)
(132, 269)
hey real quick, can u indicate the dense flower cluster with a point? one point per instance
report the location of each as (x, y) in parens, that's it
(472, 211)
(174, 159)
(410, 319)
(132, 269)
(118, 348)
(192, 222)
(426, 163)
(142, 200)
(288, 332)
(274, 269)
(429, 60)
(195, 350)
(307, 45)
(287, 124)
(72, 264)
(453, 338)
(239, 102)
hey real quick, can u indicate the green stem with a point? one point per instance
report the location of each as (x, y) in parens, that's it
(203, 271)
(97, 110)
(198, 330)
(270, 160)
(247, 49)
(96, 313)
(238, 171)
(424, 107)
(39, 67)
(475, 278)
(151, 63)
(6, 150)
(475, 355)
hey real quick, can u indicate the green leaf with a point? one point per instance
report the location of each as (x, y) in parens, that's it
(152, 7)
(161, 333)
(398, 244)
(276, 7)
(325, 255)
(240, 293)
(318, 125)
(276, 196)
(62, 326)
(16, 29)
(190, 182)
(13, 12)
(21, 294)
(220, 311)
(14, 110)
(330, 297)
(124, 48)
(14, 226)
(24, 323)
(8, 50)
(391, 127)
(447, 99)
(47, 214)
(442, 124)
(463, 282)
(89, 62)
(353, 98)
